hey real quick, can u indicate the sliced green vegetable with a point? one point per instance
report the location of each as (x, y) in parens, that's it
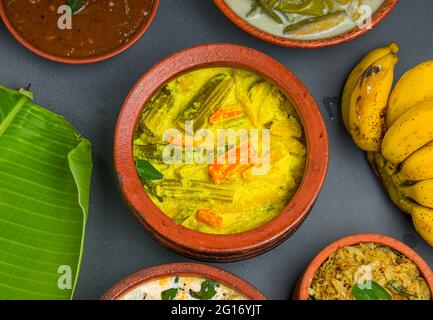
(308, 7)
(150, 189)
(184, 214)
(255, 6)
(241, 122)
(147, 171)
(194, 189)
(169, 294)
(268, 7)
(45, 173)
(150, 152)
(157, 111)
(75, 5)
(373, 292)
(206, 102)
(154, 152)
(207, 291)
(332, 18)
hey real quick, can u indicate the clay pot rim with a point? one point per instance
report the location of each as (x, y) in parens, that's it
(378, 16)
(304, 282)
(210, 246)
(184, 269)
(85, 60)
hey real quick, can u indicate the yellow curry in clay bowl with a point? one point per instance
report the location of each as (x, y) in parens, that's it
(232, 105)
(220, 152)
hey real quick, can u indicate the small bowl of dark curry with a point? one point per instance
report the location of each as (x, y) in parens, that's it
(78, 31)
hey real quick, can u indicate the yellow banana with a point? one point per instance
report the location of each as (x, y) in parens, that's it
(421, 192)
(378, 163)
(414, 87)
(354, 76)
(419, 166)
(422, 219)
(368, 103)
(410, 132)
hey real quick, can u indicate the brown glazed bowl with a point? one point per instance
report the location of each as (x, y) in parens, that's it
(88, 60)
(301, 291)
(211, 247)
(378, 16)
(183, 269)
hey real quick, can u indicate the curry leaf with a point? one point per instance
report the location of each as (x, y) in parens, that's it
(45, 172)
(75, 5)
(147, 171)
(207, 291)
(371, 291)
(169, 294)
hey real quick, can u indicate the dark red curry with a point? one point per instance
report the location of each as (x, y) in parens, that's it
(98, 26)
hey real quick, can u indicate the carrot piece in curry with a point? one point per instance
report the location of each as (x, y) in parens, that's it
(220, 172)
(226, 114)
(209, 217)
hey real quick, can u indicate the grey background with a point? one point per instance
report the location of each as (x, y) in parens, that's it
(352, 201)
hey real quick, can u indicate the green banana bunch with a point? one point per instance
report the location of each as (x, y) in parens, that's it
(397, 133)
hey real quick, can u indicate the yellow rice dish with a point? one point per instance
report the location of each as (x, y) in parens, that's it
(395, 275)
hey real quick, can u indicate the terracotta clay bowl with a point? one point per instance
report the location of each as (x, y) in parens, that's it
(210, 247)
(183, 269)
(146, 24)
(378, 16)
(301, 291)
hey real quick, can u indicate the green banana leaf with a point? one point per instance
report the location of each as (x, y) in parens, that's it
(45, 173)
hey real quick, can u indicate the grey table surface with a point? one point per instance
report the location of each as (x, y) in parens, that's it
(90, 96)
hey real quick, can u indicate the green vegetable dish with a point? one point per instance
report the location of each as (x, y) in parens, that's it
(368, 271)
(240, 150)
(182, 288)
(306, 19)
